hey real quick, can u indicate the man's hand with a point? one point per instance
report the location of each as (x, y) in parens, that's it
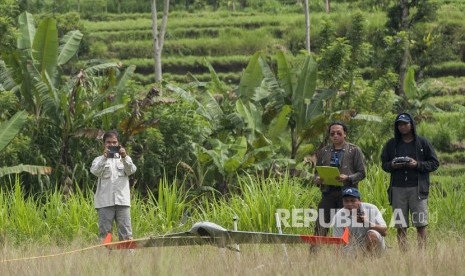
(122, 152)
(342, 178)
(397, 165)
(361, 217)
(318, 181)
(412, 164)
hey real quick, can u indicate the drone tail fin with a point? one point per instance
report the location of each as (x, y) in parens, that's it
(344, 239)
(345, 236)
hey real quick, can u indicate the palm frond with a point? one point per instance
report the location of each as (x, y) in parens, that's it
(10, 128)
(69, 46)
(34, 170)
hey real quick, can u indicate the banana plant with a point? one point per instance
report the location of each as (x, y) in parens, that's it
(416, 97)
(291, 103)
(8, 130)
(63, 106)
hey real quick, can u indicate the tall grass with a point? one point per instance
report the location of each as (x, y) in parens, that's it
(442, 258)
(68, 218)
(52, 219)
(159, 213)
(256, 203)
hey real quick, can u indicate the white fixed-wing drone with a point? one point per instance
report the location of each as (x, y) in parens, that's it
(208, 233)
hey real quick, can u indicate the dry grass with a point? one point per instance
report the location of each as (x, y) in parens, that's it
(443, 257)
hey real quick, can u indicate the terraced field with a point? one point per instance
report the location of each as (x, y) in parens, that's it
(224, 39)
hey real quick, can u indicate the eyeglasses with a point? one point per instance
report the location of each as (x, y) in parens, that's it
(336, 133)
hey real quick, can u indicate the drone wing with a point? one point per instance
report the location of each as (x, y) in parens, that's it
(243, 237)
(203, 233)
(178, 239)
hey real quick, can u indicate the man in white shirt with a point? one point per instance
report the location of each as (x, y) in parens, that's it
(366, 224)
(112, 197)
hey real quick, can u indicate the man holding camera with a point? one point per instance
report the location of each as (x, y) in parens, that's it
(112, 197)
(409, 158)
(366, 225)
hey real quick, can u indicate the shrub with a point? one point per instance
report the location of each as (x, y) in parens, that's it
(99, 49)
(450, 68)
(440, 134)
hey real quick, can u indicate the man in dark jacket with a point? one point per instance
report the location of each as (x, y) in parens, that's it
(409, 158)
(349, 159)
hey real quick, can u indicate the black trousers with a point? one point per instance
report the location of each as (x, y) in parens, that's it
(331, 199)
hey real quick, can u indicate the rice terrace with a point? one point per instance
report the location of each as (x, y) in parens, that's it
(222, 106)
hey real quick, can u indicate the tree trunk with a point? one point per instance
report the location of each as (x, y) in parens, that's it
(159, 37)
(327, 6)
(307, 26)
(406, 46)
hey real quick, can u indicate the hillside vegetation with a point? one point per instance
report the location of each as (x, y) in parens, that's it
(234, 87)
(227, 39)
(233, 127)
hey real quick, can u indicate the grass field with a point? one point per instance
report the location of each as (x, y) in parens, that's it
(65, 233)
(443, 257)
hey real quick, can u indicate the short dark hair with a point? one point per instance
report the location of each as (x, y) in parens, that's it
(338, 123)
(110, 133)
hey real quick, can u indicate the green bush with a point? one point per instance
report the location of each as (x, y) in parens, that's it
(442, 140)
(450, 68)
(445, 86)
(452, 157)
(447, 103)
(99, 49)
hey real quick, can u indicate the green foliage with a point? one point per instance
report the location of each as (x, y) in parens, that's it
(450, 68)
(416, 97)
(366, 135)
(334, 62)
(416, 11)
(9, 10)
(256, 205)
(100, 49)
(432, 45)
(445, 131)
(55, 219)
(196, 34)
(276, 116)
(62, 108)
(159, 151)
(327, 33)
(11, 128)
(171, 203)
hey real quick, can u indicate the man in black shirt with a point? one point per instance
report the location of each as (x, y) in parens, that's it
(409, 158)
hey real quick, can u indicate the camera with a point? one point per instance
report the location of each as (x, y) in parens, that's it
(113, 151)
(359, 215)
(403, 160)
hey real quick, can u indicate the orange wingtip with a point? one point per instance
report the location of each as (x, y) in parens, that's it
(129, 244)
(344, 239)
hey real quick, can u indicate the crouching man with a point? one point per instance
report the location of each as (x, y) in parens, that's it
(365, 222)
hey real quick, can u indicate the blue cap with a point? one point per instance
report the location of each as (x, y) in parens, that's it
(403, 118)
(351, 192)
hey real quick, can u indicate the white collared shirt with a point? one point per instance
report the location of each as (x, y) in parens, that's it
(113, 180)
